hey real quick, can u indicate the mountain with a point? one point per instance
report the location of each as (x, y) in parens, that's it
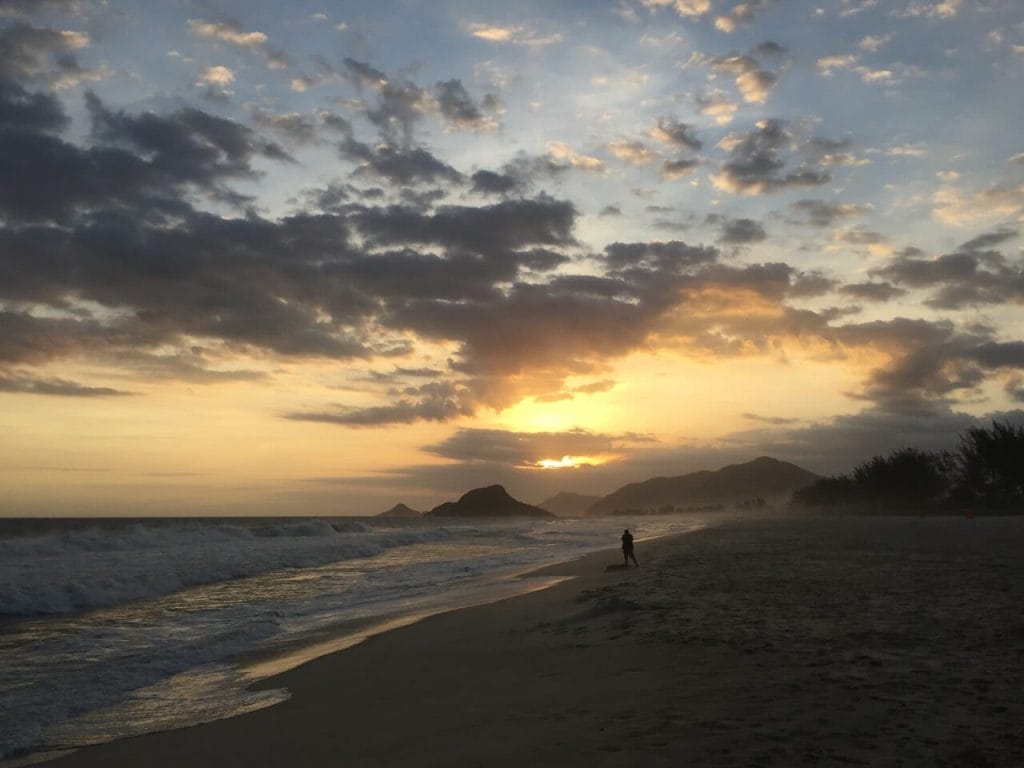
(764, 477)
(400, 510)
(492, 501)
(567, 504)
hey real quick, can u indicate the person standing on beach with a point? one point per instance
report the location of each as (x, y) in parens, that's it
(627, 549)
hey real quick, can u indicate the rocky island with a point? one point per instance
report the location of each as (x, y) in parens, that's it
(490, 501)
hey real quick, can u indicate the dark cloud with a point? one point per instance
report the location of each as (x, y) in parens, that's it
(21, 110)
(519, 175)
(400, 103)
(436, 401)
(188, 145)
(527, 448)
(491, 183)
(400, 166)
(737, 231)
(674, 169)
(872, 291)
(145, 163)
(973, 274)
(292, 127)
(28, 52)
(776, 420)
(677, 133)
(671, 257)
(931, 363)
(26, 384)
(26, 7)
(1015, 388)
(330, 199)
(820, 213)
(757, 162)
(336, 123)
(489, 229)
(458, 108)
(610, 210)
(863, 237)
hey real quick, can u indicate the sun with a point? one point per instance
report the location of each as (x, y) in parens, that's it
(568, 462)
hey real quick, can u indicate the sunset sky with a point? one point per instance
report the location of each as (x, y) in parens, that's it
(316, 258)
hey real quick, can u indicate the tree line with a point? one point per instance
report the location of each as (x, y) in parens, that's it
(984, 473)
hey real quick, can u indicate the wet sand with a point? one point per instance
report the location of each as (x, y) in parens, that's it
(855, 641)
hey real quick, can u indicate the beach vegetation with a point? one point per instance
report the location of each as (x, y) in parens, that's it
(988, 468)
(981, 474)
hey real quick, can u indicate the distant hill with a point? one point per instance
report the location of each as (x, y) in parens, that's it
(492, 501)
(764, 477)
(568, 504)
(400, 510)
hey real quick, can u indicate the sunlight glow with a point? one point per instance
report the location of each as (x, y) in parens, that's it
(568, 461)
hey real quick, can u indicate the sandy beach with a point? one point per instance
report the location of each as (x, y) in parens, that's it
(854, 641)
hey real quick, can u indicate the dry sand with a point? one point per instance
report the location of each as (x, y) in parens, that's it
(867, 641)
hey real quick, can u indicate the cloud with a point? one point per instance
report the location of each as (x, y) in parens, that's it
(22, 110)
(974, 274)
(677, 169)
(232, 33)
(964, 207)
(873, 291)
(436, 401)
(400, 103)
(143, 163)
(217, 75)
(931, 365)
(633, 152)
(516, 35)
(754, 82)
(820, 213)
(718, 105)
(491, 229)
(906, 150)
(26, 384)
(826, 64)
(500, 446)
(756, 163)
(685, 8)
(675, 133)
(563, 153)
(737, 231)
(30, 53)
(873, 42)
(524, 172)
(944, 9)
(459, 109)
(775, 420)
(399, 165)
(741, 14)
(293, 127)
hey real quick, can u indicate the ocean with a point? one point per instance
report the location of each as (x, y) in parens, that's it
(116, 627)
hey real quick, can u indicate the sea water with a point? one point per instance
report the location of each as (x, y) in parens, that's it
(115, 627)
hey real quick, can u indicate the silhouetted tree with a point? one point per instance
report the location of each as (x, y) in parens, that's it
(989, 467)
(906, 478)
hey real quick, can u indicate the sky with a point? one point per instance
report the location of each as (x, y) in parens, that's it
(319, 258)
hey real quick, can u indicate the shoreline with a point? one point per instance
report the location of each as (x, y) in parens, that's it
(769, 642)
(259, 669)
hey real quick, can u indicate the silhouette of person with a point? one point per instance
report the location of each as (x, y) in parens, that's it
(627, 549)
